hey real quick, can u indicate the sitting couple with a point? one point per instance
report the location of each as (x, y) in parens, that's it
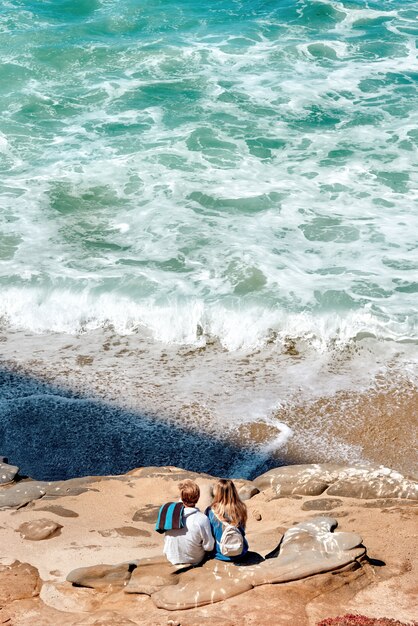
(218, 533)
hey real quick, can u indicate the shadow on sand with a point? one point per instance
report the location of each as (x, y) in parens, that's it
(53, 433)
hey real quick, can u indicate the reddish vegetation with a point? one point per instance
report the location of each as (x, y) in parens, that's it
(361, 620)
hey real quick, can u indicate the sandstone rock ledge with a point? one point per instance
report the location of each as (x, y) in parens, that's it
(83, 552)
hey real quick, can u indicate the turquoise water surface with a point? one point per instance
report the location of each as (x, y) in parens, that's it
(222, 168)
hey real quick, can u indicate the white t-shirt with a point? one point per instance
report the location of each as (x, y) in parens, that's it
(189, 544)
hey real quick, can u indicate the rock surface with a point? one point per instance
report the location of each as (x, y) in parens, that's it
(18, 581)
(39, 529)
(21, 494)
(313, 571)
(375, 487)
(246, 492)
(101, 576)
(8, 472)
(308, 548)
(322, 504)
(151, 575)
(360, 481)
(214, 582)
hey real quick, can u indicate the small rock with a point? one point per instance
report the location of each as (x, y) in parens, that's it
(18, 581)
(39, 529)
(257, 516)
(246, 492)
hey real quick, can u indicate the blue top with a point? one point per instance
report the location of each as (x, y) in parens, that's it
(217, 530)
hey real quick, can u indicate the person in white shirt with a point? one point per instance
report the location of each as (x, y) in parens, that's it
(189, 544)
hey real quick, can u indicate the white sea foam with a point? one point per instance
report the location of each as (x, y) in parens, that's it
(236, 215)
(193, 322)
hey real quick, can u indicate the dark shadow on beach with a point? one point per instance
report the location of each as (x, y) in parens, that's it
(53, 433)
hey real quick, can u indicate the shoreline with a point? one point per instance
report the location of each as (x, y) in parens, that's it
(252, 402)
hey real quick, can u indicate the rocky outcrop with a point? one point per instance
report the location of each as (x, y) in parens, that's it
(298, 557)
(214, 582)
(26, 491)
(308, 548)
(371, 486)
(359, 481)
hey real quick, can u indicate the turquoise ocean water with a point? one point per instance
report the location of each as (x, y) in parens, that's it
(208, 215)
(236, 169)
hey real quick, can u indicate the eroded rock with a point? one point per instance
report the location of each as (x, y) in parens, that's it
(7, 472)
(357, 481)
(21, 494)
(102, 576)
(375, 487)
(39, 529)
(152, 574)
(248, 491)
(308, 548)
(285, 480)
(18, 581)
(214, 582)
(170, 472)
(321, 504)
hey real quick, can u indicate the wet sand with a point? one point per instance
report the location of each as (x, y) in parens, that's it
(285, 403)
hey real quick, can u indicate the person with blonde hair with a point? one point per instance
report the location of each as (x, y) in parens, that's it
(228, 517)
(189, 540)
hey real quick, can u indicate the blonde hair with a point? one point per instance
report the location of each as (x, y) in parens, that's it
(189, 492)
(227, 505)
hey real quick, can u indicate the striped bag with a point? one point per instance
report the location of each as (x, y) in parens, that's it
(170, 517)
